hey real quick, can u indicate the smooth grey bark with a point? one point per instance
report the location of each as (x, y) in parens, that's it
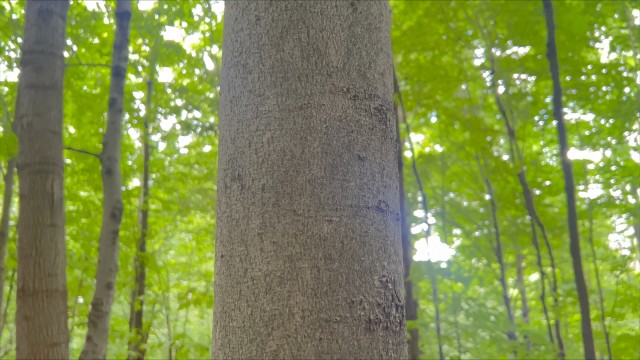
(95, 346)
(41, 315)
(567, 170)
(308, 249)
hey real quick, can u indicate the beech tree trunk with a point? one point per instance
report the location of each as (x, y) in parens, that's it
(95, 346)
(308, 249)
(41, 315)
(572, 216)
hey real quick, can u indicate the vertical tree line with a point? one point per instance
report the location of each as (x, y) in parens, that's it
(41, 315)
(98, 332)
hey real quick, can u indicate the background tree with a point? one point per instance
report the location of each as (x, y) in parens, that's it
(98, 325)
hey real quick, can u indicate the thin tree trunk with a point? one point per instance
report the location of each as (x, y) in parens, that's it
(425, 206)
(511, 334)
(308, 247)
(97, 339)
(458, 335)
(411, 304)
(523, 294)
(138, 335)
(5, 307)
(572, 216)
(518, 161)
(594, 257)
(636, 231)
(41, 314)
(4, 225)
(436, 304)
(535, 220)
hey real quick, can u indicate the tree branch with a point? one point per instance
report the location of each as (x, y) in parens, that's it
(83, 152)
(88, 65)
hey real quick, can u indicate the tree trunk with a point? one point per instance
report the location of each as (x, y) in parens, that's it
(414, 348)
(523, 295)
(407, 254)
(572, 216)
(517, 159)
(4, 226)
(535, 220)
(41, 314)
(138, 336)
(594, 258)
(95, 346)
(511, 334)
(407, 247)
(308, 249)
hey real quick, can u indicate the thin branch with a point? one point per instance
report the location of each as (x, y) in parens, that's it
(83, 152)
(87, 65)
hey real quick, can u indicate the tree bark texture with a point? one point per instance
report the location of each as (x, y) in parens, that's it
(41, 315)
(572, 216)
(95, 346)
(308, 248)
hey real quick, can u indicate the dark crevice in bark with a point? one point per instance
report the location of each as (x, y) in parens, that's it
(572, 217)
